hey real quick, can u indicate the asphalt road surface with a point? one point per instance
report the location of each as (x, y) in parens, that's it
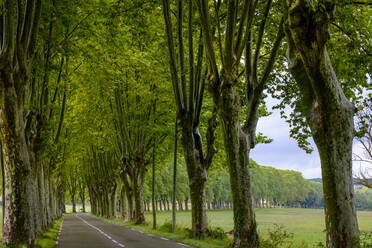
(85, 231)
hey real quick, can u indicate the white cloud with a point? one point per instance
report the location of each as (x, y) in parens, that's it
(283, 152)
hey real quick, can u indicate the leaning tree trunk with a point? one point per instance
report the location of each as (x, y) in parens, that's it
(333, 132)
(329, 115)
(19, 226)
(237, 151)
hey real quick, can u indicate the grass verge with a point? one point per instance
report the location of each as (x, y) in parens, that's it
(180, 235)
(48, 238)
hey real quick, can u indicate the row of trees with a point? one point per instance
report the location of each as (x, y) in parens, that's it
(270, 188)
(89, 103)
(34, 75)
(227, 29)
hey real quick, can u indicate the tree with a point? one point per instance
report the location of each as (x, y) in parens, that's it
(28, 125)
(15, 69)
(329, 114)
(189, 104)
(223, 80)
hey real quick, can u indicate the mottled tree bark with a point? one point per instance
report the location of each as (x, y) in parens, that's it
(237, 151)
(197, 173)
(19, 226)
(329, 115)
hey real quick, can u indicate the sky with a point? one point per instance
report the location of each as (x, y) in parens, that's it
(283, 152)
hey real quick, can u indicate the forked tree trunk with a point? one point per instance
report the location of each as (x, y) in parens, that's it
(197, 173)
(237, 151)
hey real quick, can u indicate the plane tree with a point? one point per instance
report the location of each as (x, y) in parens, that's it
(325, 102)
(33, 102)
(188, 78)
(231, 29)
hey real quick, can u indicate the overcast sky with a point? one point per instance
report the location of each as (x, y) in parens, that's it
(283, 152)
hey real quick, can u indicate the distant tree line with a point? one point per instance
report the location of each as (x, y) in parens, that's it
(270, 188)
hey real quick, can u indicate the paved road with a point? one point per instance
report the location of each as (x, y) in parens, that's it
(85, 231)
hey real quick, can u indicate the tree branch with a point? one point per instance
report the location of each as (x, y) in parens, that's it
(274, 52)
(181, 53)
(242, 22)
(35, 27)
(192, 85)
(61, 117)
(173, 64)
(260, 38)
(208, 40)
(230, 31)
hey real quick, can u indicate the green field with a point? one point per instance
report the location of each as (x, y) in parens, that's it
(306, 224)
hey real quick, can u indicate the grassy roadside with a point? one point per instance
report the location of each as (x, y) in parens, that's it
(180, 235)
(45, 240)
(48, 238)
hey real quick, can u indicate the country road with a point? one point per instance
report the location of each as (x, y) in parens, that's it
(83, 230)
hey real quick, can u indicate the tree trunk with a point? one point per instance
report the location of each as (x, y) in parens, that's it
(73, 203)
(112, 200)
(187, 204)
(237, 150)
(197, 173)
(19, 226)
(138, 200)
(2, 183)
(82, 197)
(198, 211)
(330, 117)
(174, 176)
(123, 203)
(333, 134)
(153, 201)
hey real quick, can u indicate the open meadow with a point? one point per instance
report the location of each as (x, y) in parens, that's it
(307, 225)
